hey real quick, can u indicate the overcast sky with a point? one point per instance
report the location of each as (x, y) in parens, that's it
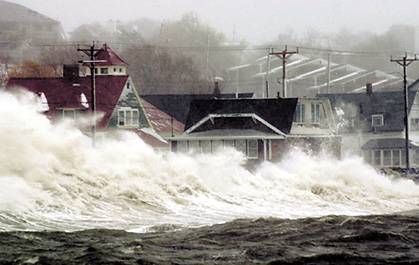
(254, 20)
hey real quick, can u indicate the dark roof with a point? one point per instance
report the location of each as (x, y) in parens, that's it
(11, 12)
(388, 143)
(276, 111)
(160, 120)
(109, 56)
(414, 85)
(361, 107)
(60, 93)
(177, 105)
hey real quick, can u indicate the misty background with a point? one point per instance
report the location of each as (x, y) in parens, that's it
(183, 46)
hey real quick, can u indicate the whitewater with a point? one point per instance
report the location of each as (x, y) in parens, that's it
(52, 179)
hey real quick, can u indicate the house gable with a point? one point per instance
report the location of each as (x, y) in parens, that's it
(361, 112)
(61, 94)
(233, 121)
(129, 111)
(275, 114)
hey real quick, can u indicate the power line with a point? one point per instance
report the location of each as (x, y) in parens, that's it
(302, 49)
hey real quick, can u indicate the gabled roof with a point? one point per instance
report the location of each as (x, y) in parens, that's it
(161, 121)
(277, 112)
(60, 93)
(362, 107)
(111, 58)
(388, 143)
(11, 12)
(177, 105)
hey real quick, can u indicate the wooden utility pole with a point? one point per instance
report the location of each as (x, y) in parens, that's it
(268, 68)
(405, 62)
(328, 72)
(284, 55)
(92, 52)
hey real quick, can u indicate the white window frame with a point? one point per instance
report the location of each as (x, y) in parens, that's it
(104, 71)
(252, 150)
(315, 112)
(414, 124)
(375, 117)
(129, 118)
(69, 116)
(376, 157)
(300, 113)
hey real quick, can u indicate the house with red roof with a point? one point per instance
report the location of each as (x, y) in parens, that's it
(118, 105)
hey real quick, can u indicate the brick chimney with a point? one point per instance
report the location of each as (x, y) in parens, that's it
(369, 89)
(217, 90)
(71, 72)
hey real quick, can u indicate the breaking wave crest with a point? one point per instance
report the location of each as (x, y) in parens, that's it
(53, 179)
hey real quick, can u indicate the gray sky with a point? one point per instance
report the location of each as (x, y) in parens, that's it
(253, 20)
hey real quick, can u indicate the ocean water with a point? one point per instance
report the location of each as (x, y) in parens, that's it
(64, 202)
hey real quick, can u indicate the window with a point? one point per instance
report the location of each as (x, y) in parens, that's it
(114, 70)
(396, 157)
(228, 143)
(377, 120)
(206, 146)
(216, 145)
(300, 113)
(414, 122)
(128, 117)
(368, 156)
(377, 158)
(252, 149)
(315, 112)
(69, 114)
(104, 71)
(120, 70)
(194, 146)
(182, 146)
(403, 157)
(241, 146)
(387, 158)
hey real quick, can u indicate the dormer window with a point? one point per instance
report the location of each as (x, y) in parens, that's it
(299, 116)
(315, 112)
(377, 120)
(104, 71)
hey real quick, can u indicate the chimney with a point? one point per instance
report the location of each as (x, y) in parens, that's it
(369, 89)
(217, 90)
(71, 72)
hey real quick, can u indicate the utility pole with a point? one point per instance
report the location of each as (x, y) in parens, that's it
(405, 62)
(207, 56)
(268, 68)
(284, 55)
(328, 72)
(92, 52)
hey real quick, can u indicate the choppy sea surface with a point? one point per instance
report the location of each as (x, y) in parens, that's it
(64, 202)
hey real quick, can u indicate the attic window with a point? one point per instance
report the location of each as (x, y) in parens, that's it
(128, 117)
(300, 113)
(104, 71)
(315, 112)
(377, 120)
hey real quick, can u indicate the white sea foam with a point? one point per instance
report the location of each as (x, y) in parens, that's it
(51, 178)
